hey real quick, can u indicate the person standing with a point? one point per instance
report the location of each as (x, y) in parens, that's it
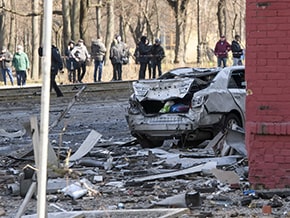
(70, 62)
(158, 54)
(98, 51)
(6, 63)
(237, 51)
(221, 50)
(81, 55)
(56, 65)
(21, 64)
(123, 49)
(116, 60)
(144, 50)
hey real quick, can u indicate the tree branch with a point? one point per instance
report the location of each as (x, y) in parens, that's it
(33, 14)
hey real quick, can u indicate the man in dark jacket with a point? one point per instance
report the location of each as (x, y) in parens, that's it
(237, 51)
(56, 65)
(6, 63)
(221, 50)
(158, 54)
(144, 50)
(98, 51)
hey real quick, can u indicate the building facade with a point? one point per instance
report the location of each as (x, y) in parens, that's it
(268, 92)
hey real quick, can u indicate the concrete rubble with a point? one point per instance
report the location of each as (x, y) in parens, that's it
(192, 182)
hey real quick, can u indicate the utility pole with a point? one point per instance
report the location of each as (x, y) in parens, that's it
(44, 115)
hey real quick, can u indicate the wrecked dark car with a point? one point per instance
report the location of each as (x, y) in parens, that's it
(189, 104)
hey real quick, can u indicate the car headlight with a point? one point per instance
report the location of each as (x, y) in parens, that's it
(198, 101)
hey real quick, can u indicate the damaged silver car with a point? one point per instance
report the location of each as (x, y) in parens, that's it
(189, 104)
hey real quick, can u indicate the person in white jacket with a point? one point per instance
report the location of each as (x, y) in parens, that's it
(81, 56)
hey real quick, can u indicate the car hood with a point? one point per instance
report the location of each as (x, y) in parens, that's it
(162, 89)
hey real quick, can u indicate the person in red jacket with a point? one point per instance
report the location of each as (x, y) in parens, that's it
(221, 50)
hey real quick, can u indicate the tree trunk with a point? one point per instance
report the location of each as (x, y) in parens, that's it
(2, 24)
(198, 33)
(66, 7)
(11, 40)
(84, 7)
(98, 18)
(110, 28)
(157, 32)
(75, 24)
(35, 72)
(179, 7)
(221, 15)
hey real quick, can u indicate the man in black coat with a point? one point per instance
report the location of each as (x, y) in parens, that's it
(237, 51)
(158, 54)
(144, 50)
(56, 65)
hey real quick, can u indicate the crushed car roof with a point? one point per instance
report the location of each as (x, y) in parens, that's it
(175, 83)
(188, 72)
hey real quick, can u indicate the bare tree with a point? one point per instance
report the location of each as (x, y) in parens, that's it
(157, 30)
(137, 23)
(11, 39)
(2, 23)
(75, 24)
(221, 15)
(84, 8)
(177, 22)
(66, 15)
(198, 33)
(110, 27)
(179, 8)
(98, 17)
(35, 41)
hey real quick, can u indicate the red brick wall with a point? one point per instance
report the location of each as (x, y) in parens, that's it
(268, 88)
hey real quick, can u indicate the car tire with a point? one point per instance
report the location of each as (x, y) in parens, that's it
(230, 120)
(145, 142)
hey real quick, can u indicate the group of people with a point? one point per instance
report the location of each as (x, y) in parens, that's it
(19, 60)
(149, 56)
(222, 48)
(77, 56)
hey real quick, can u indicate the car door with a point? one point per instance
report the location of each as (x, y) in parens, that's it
(237, 88)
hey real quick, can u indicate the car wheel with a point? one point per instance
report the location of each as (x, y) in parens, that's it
(145, 142)
(230, 120)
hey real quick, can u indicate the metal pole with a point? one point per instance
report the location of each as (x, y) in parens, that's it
(44, 116)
